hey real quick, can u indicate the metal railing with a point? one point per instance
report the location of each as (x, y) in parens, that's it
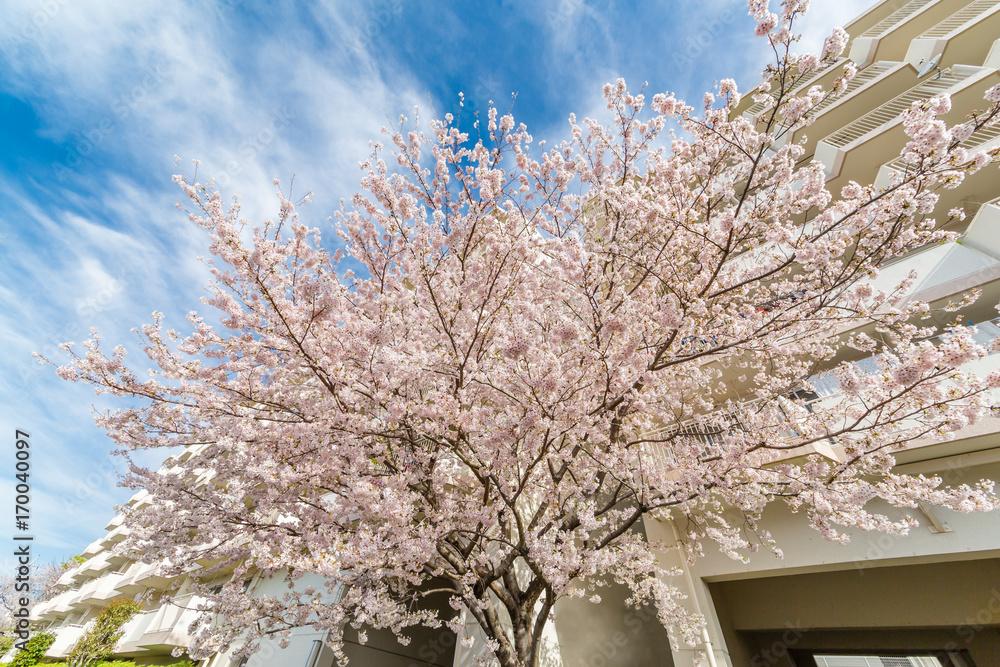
(890, 111)
(711, 433)
(980, 138)
(959, 19)
(863, 77)
(901, 15)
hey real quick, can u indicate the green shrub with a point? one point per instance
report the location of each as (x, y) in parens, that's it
(114, 663)
(99, 642)
(73, 561)
(34, 650)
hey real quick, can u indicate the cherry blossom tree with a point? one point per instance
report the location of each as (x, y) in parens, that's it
(521, 352)
(42, 587)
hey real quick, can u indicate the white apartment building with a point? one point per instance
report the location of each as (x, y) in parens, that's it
(931, 599)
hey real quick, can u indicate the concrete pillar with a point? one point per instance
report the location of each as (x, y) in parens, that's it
(711, 651)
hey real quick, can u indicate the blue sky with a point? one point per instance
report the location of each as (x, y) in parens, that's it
(97, 98)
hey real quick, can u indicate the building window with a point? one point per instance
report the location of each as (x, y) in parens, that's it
(876, 661)
(922, 659)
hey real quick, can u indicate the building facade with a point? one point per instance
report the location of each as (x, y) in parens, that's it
(931, 599)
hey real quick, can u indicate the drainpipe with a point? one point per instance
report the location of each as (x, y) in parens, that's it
(457, 659)
(317, 648)
(694, 596)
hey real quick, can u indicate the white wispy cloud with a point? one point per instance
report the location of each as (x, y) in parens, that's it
(89, 229)
(123, 86)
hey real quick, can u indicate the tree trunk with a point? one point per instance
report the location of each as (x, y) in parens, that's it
(527, 644)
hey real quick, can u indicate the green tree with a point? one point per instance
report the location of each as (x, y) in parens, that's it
(73, 561)
(34, 650)
(99, 642)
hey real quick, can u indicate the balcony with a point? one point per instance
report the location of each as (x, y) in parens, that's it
(140, 498)
(950, 269)
(879, 80)
(66, 637)
(115, 522)
(822, 77)
(93, 567)
(133, 631)
(710, 437)
(824, 391)
(871, 87)
(140, 576)
(60, 604)
(41, 610)
(827, 389)
(964, 37)
(83, 595)
(155, 577)
(100, 591)
(890, 38)
(115, 536)
(129, 584)
(162, 629)
(71, 576)
(93, 548)
(976, 188)
(861, 146)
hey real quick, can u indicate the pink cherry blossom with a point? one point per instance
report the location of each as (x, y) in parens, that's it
(522, 351)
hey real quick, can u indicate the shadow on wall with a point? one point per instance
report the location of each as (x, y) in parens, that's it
(427, 647)
(610, 633)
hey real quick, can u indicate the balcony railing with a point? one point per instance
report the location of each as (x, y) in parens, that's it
(896, 19)
(889, 38)
(177, 615)
(890, 111)
(60, 604)
(162, 628)
(819, 390)
(66, 637)
(959, 19)
(93, 548)
(757, 108)
(826, 385)
(116, 535)
(862, 78)
(101, 590)
(133, 631)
